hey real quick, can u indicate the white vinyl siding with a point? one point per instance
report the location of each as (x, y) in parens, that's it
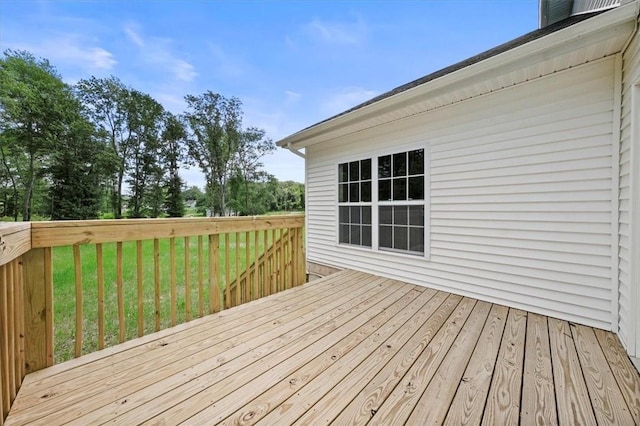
(627, 315)
(519, 204)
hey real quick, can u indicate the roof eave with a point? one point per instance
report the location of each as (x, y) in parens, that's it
(572, 33)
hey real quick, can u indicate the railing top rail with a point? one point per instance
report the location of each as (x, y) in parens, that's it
(63, 233)
(15, 240)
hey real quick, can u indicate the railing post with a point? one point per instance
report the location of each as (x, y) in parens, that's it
(38, 308)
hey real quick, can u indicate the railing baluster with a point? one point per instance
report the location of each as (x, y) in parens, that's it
(214, 273)
(256, 293)
(247, 253)
(79, 319)
(187, 280)
(100, 275)
(294, 257)
(238, 292)
(140, 288)
(7, 384)
(227, 271)
(119, 284)
(265, 265)
(156, 280)
(19, 300)
(172, 263)
(200, 279)
(11, 327)
(283, 282)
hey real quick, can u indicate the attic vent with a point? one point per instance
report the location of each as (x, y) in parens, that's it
(552, 11)
(584, 6)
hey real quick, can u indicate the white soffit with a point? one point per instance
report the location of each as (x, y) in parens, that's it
(590, 40)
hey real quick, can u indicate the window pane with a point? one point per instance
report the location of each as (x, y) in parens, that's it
(365, 169)
(366, 236)
(344, 234)
(384, 190)
(365, 191)
(355, 234)
(416, 239)
(400, 164)
(343, 172)
(400, 189)
(344, 214)
(354, 192)
(355, 214)
(384, 166)
(416, 162)
(386, 236)
(354, 171)
(416, 188)
(400, 215)
(343, 193)
(416, 215)
(400, 237)
(366, 215)
(385, 215)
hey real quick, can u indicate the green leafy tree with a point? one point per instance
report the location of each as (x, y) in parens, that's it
(215, 125)
(173, 153)
(34, 109)
(106, 100)
(142, 166)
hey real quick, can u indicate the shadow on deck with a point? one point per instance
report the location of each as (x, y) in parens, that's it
(350, 348)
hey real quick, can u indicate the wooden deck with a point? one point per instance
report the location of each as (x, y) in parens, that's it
(350, 348)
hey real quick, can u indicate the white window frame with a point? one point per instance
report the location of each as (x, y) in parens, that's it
(375, 203)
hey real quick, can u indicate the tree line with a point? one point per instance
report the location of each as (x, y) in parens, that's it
(101, 148)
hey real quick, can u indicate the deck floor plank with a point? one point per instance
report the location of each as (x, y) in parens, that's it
(538, 401)
(468, 403)
(607, 400)
(503, 401)
(432, 407)
(398, 406)
(572, 397)
(368, 400)
(623, 371)
(351, 348)
(215, 369)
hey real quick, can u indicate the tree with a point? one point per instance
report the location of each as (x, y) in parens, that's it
(106, 100)
(215, 125)
(34, 106)
(144, 116)
(79, 163)
(173, 151)
(252, 146)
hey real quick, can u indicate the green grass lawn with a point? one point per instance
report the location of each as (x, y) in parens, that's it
(65, 297)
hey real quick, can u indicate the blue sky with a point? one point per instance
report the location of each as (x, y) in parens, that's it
(292, 63)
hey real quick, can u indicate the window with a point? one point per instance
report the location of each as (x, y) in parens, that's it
(401, 201)
(354, 198)
(398, 201)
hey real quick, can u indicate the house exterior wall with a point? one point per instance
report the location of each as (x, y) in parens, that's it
(520, 200)
(629, 176)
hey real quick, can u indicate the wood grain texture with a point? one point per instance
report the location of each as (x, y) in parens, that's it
(572, 397)
(503, 400)
(538, 401)
(65, 233)
(120, 292)
(607, 400)
(140, 288)
(77, 265)
(100, 279)
(469, 401)
(15, 240)
(350, 348)
(624, 372)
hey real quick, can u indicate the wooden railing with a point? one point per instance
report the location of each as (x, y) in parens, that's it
(85, 285)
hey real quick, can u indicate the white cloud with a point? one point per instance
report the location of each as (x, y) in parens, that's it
(158, 51)
(346, 33)
(291, 97)
(344, 99)
(70, 49)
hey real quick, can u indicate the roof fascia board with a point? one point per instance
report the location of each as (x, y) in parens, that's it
(563, 40)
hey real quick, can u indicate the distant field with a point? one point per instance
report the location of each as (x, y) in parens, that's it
(64, 289)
